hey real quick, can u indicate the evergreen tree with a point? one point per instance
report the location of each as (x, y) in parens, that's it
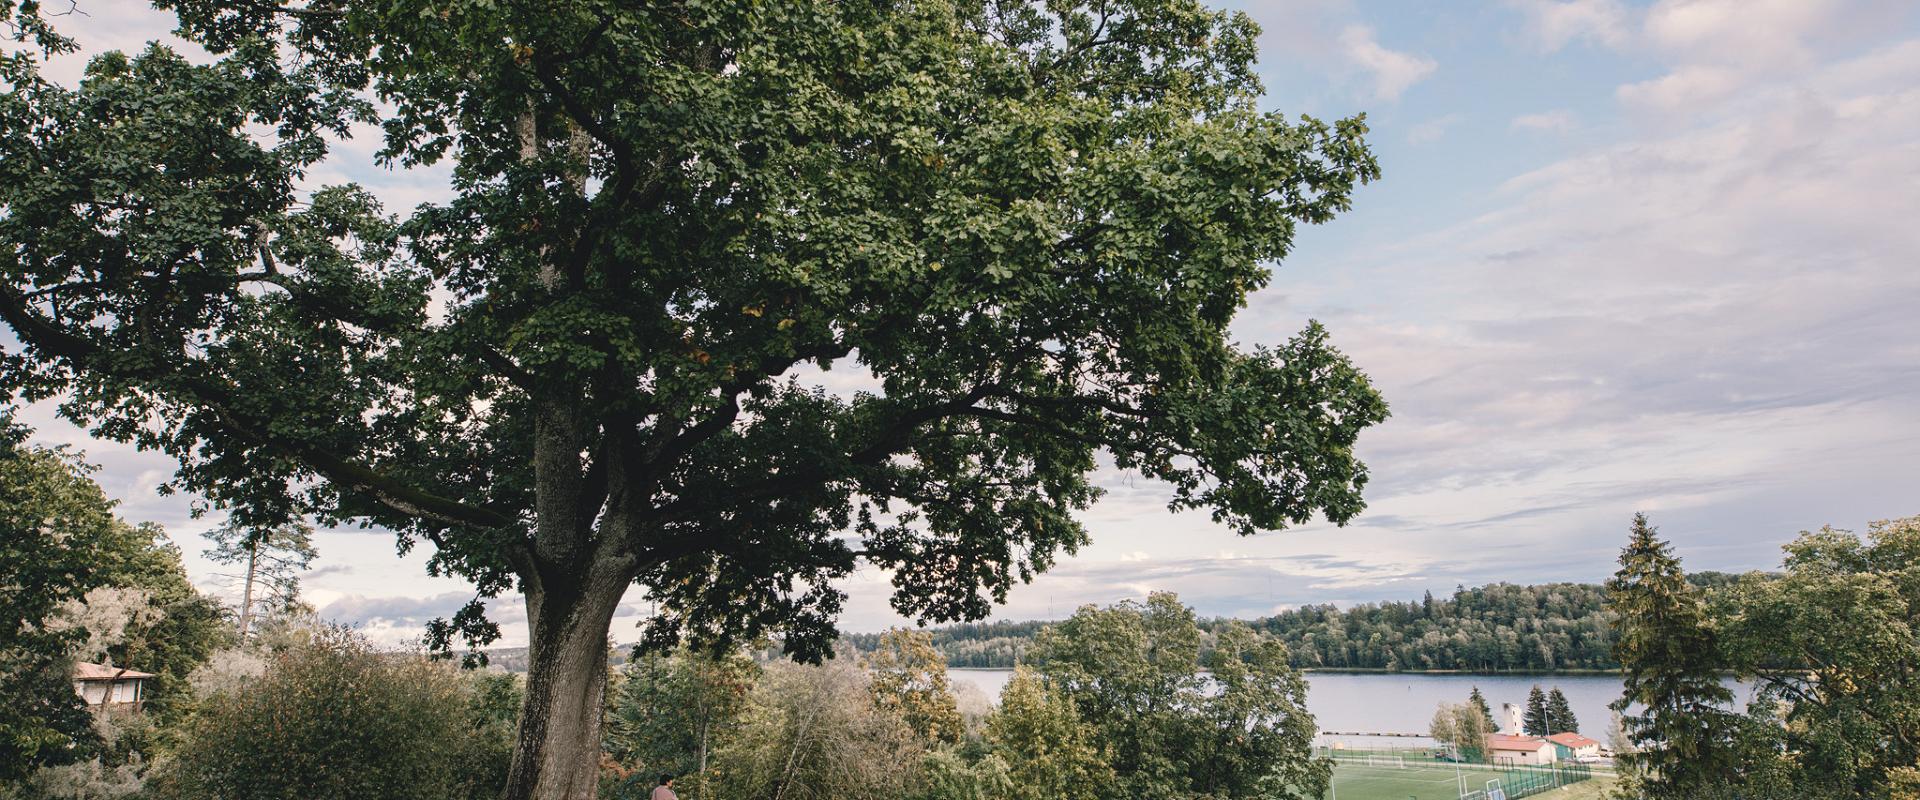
(1560, 717)
(269, 559)
(1667, 655)
(668, 710)
(1479, 701)
(1535, 723)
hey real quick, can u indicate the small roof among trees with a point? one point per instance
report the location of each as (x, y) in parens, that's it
(1501, 741)
(85, 671)
(1572, 740)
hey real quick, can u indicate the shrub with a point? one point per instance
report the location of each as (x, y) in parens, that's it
(333, 719)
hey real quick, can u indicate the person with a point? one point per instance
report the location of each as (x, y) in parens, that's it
(665, 790)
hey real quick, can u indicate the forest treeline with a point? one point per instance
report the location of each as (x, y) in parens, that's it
(1494, 628)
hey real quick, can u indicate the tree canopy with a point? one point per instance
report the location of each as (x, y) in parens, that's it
(659, 218)
(1231, 725)
(78, 583)
(1015, 232)
(57, 529)
(1832, 645)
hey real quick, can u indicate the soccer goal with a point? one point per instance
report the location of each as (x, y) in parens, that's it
(1379, 760)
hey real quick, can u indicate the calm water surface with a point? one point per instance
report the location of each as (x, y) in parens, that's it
(1402, 703)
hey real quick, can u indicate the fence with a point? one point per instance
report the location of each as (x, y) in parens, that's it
(1503, 781)
(1525, 780)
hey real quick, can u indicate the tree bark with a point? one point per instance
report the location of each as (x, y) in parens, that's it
(557, 752)
(246, 596)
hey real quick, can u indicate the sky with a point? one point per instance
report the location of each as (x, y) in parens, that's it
(1625, 257)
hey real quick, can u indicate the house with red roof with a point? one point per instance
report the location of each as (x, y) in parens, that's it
(1573, 746)
(1508, 749)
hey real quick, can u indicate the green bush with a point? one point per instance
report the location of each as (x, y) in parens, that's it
(333, 719)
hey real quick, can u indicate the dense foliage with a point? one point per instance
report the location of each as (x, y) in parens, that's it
(1023, 228)
(1134, 672)
(971, 645)
(1462, 730)
(1830, 642)
(55, 529)
(1114, 704)
(1834, 644)
(908, 678)
(334, 720)
(668, 711)
(814, 733)
(79, 584)
(1048, 750)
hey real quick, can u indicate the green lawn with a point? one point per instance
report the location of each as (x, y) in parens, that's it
(1431, 782)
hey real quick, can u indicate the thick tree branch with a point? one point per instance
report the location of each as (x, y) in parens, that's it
(384, 489)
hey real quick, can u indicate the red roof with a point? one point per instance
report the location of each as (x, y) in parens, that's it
(84, 671)
(1502, 741)
(1573, 740)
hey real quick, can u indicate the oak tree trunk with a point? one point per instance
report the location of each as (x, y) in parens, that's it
(557, 752)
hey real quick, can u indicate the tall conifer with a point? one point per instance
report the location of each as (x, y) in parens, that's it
(1535, 723)
(1668, 655)
(1479, 701)
(1560, 717)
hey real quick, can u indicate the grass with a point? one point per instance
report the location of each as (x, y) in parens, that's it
(1434, 782)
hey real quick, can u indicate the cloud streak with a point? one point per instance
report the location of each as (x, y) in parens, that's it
(1392, 72)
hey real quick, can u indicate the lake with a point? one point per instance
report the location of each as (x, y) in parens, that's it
(1404, 703)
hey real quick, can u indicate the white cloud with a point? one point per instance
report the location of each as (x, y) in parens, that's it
(1555, 121)
(1392, 72)
(1762, 35)
(1551, 25)
(1717, 49)
(1711, 49)
(1433, 130)
(1686, 89)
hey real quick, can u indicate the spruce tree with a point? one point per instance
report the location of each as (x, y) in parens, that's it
(1535, 723)
(1668, 658)
(1478, 700)
(1560, 717)
(269, 558)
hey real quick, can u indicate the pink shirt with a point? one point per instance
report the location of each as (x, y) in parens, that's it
(664, 793)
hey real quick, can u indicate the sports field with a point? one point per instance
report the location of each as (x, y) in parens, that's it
(1429, 781)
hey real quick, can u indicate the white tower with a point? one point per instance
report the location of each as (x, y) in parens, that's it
(1512, 713)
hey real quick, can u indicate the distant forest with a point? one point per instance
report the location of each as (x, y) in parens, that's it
(1500, 627)
(1494, 628)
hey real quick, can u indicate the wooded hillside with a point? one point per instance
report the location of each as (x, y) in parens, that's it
(1492, 628)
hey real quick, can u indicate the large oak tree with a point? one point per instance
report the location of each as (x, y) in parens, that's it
(679, 231)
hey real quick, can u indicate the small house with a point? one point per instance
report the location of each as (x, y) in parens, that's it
(104, 687)
(1506, 749)
(1574, 747)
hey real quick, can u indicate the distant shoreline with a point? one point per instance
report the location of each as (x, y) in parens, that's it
(1476, 673)
(1379, 671)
